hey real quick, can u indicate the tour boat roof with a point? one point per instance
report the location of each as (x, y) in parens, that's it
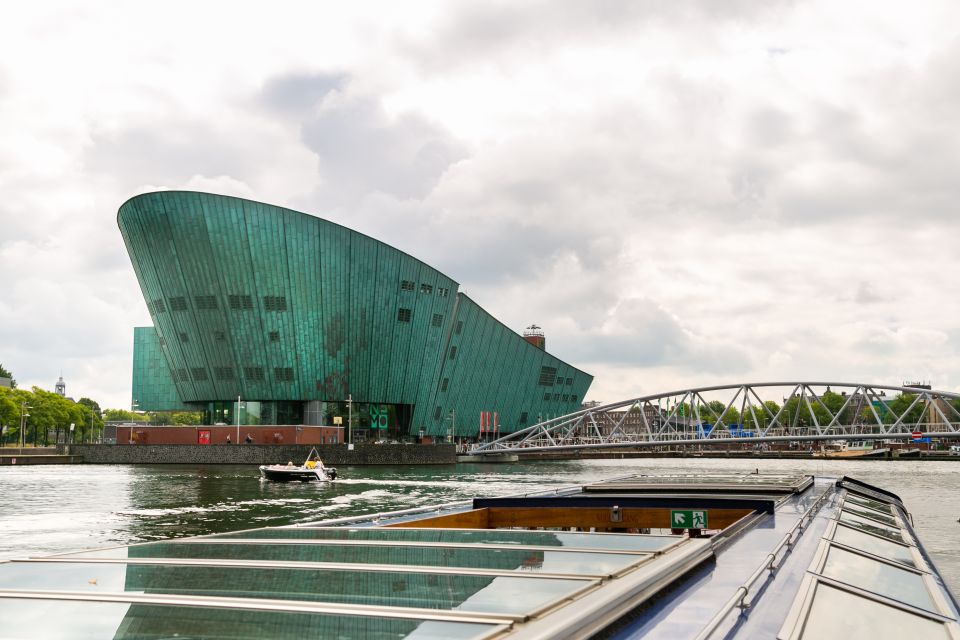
(675, 556)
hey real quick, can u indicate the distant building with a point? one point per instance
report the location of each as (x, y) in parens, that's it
(61, 388)
(263, 315)
(535, 336)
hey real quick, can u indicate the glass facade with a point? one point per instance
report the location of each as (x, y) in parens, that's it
(288, 310)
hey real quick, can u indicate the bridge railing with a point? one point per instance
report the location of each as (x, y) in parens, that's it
(809, 411)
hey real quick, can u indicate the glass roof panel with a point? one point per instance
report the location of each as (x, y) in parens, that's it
(479, 594)
(878, 577)
(868, 503)
(872, 544)
(605, 541)
(778, 481)
(872, 526)
(838, 614)
(870, 513)
(70, 620)
(561, 562)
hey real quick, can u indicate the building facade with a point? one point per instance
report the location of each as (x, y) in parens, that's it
(265, 315)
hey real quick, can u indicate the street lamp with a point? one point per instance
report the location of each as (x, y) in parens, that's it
(350, 420)
(23, 417)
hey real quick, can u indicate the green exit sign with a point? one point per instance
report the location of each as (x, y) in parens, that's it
(688, 519)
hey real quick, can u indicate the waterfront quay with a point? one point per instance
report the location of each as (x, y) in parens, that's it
(398, 454)
(331, 454)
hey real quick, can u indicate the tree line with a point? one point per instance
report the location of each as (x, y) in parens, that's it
(46, 417)
(797, 411)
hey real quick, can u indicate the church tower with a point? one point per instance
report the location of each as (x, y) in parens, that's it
(61, 388)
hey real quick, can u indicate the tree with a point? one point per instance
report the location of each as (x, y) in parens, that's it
(186, 417)
(92, 420)
(6, 374)
(800, 414)
(901, 403)
(763, 416)
(122, 415)
(9, 415)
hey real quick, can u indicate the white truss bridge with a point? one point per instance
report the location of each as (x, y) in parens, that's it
(746, 413)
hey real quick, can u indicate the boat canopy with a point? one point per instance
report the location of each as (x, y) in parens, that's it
(679, 556)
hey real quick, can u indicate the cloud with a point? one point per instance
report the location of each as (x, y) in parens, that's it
(362, 150)
(679, 193)
(495, 31)
(299, 93)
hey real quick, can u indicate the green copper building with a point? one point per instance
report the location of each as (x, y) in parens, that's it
(293, 314)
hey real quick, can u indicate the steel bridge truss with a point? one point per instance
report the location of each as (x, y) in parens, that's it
(759, 412)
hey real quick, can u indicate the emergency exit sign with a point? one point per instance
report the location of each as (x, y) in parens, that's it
(688, 519)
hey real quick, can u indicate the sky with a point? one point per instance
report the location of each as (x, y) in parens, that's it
(680, 193)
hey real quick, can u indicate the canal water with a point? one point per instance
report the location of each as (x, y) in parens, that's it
(50, 509)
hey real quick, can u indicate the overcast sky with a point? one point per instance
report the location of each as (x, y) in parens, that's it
(679, 193)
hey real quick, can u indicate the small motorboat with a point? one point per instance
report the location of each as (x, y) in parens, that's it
(311, 470)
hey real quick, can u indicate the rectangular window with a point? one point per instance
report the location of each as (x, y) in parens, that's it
(274, 336)
(184, 337)
(275, 303)
(426, 288)
(459, 326)
(199, 374)
(546, 396)
(442, 292)
(253, 373)
(453, 352)
(205, 303)
(559, 380)
(219, 336)
(223, 373)
(547, 376)
(566, 397)
(283, 374)
(523, 418)
(178, 303)
(240, 302)
(159, 306)
(444, 384)
(556, 396)
(437, 320)
(403, 315)
(573, 398)
(436, 413)
(406, 285)
(569, 382)
(183, 375)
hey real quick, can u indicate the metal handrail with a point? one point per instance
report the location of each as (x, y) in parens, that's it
(769, 563)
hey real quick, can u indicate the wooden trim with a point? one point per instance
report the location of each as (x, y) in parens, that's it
(476, 519)
(599, 519)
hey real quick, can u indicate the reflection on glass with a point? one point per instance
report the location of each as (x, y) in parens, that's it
(876, 505)
(838, 614)
(506, 559)
(65, 620)
(606, 541)
(874, 545)
(869, 513)
(872, 526)
(480, 594)
(878, 577)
